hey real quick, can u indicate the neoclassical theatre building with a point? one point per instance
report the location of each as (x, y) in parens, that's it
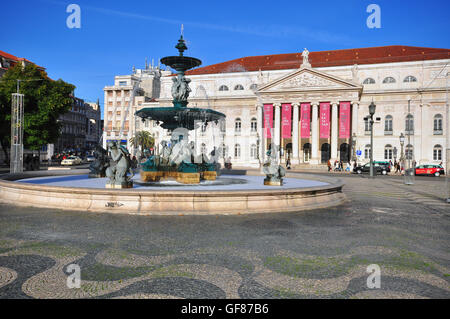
(314, 105)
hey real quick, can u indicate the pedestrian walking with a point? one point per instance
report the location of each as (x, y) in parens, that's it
(329, 165)
(288, 163)
(347, 169)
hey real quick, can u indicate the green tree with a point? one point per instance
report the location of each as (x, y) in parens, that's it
(143, 139)
(44, 101)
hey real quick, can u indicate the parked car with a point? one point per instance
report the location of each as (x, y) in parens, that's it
(90, 158)
(379, 168)
(430, 169)
(71, 160)
(387, 164)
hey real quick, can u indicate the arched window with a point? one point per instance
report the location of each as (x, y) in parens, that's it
(389, 79)
(388, 152)
(369, 81)
(200, 91)
(253, 152)
(409, 152)
(367, 151)
(203, 148)
(410, 78)
(253, 87)
(223, 88)
(437, 153)
(238, 87)
(237, 151)
(253, 125)
(388, 125)
(237, 126)
(437, 124)
(409, 124)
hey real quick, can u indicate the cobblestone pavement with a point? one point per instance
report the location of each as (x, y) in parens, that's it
(313, 254)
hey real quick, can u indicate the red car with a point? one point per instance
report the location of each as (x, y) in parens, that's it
(436, 170)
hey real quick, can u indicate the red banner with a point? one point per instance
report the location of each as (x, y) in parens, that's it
(286, 120)
(324, 122)
(344, 119)
(305, 119)
(268, 120)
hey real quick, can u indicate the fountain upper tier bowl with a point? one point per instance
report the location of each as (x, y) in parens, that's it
(181, 63)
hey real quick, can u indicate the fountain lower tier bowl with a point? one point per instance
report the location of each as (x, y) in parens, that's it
(174, 117)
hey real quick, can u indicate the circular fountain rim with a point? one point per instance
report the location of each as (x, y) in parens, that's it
(170, 202)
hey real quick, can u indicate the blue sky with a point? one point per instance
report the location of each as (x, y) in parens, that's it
(115, 35)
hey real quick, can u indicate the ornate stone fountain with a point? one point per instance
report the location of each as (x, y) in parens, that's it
(179, 161)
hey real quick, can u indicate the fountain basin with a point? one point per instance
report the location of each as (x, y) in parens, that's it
(301, 192)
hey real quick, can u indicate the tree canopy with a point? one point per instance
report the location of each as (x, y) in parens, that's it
(143, 139)
(44, 101)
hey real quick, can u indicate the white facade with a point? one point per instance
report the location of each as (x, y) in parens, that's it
(421, 82)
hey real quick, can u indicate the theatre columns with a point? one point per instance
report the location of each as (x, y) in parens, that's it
(276, 132)
(355, 106)
(314, 134)
(355, 117)
(334, 131)
(295, 134)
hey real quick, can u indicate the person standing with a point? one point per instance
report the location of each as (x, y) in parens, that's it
(288, 163)
(329, 165)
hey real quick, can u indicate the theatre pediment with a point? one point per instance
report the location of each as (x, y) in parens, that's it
(307, 79)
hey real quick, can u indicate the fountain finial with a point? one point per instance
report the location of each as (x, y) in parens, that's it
(181, 45)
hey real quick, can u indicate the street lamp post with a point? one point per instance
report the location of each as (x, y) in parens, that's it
(372, 108)
(409, 170)
(402, 158)
(354, 147)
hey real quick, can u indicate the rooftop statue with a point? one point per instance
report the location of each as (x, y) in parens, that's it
(305, 55)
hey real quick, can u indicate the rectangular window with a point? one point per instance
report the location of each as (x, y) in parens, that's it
(388, 154)
(437, 155)
(237, 127)
(122, 83)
